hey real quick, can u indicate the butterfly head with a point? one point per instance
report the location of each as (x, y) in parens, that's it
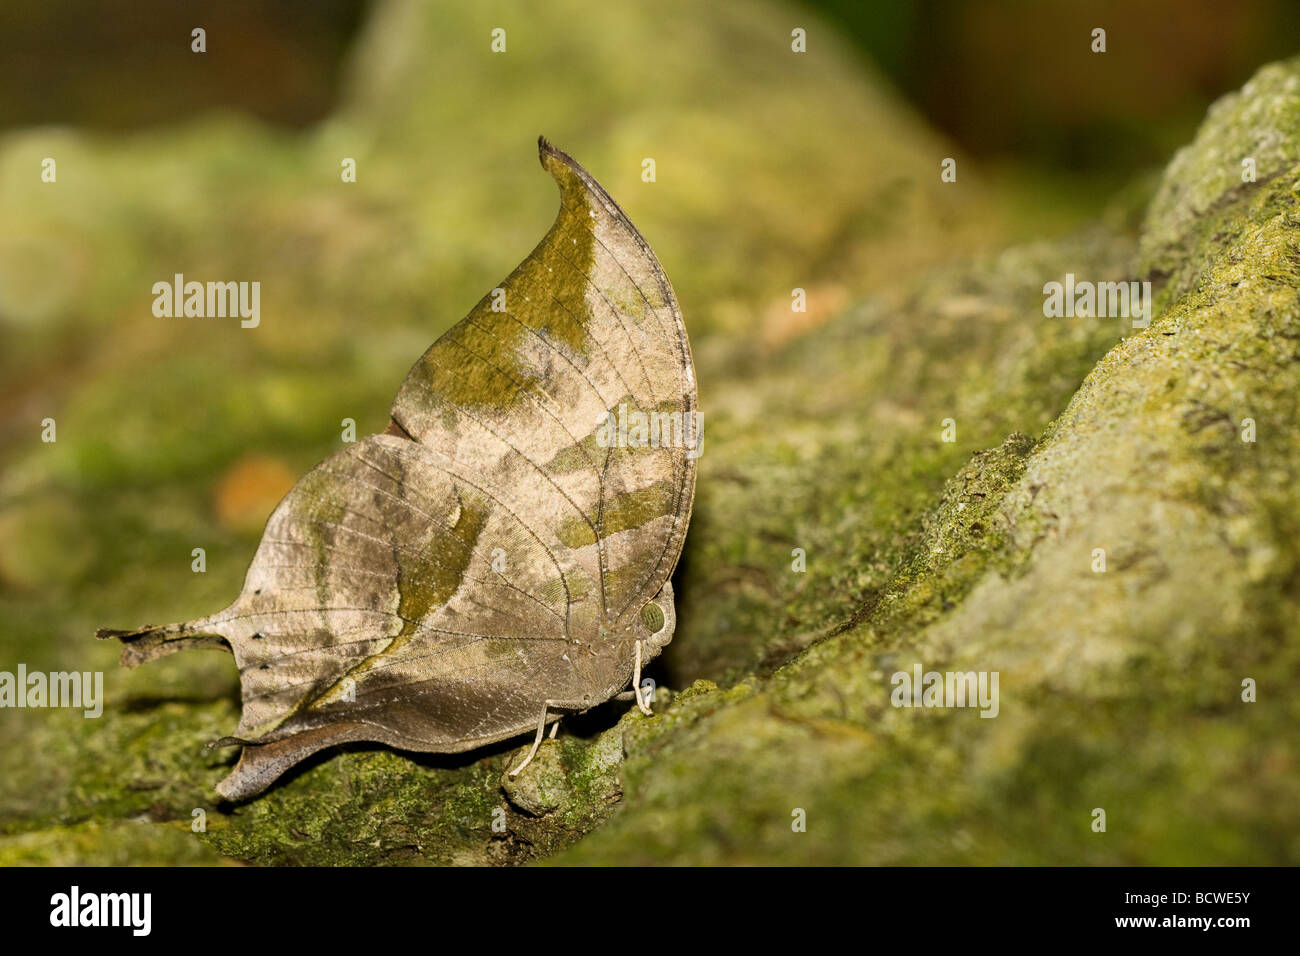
(657, 620)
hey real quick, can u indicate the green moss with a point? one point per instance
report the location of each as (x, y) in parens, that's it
(133, 843)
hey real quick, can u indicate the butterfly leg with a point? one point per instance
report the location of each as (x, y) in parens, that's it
(541, 731)
(555, 729)
(636, 684)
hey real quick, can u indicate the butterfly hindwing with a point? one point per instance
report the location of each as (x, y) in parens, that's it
(374, 583)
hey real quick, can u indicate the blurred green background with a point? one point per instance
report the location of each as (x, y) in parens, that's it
(989, 75)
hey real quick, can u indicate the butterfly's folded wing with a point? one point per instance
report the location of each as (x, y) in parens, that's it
(447, 581)
(522, 391)
(430, 587)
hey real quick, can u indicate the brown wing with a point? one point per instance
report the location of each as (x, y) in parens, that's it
(429, 588)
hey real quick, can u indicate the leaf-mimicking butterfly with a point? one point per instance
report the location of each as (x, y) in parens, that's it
(501, 554)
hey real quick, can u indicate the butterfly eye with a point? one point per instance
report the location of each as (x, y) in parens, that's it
(652, 616)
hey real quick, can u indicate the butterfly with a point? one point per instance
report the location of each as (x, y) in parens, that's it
(501, 554)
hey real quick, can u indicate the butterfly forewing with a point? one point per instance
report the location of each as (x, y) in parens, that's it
(523, 389)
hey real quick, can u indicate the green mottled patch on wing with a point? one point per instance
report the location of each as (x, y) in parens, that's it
(635, 302)
(620, 582)
(318, 504)
(426, 579)
(476, 363)
(628, 510)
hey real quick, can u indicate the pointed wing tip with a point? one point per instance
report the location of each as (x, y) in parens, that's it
(572, 177)
(544, 149)
(547, 151)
